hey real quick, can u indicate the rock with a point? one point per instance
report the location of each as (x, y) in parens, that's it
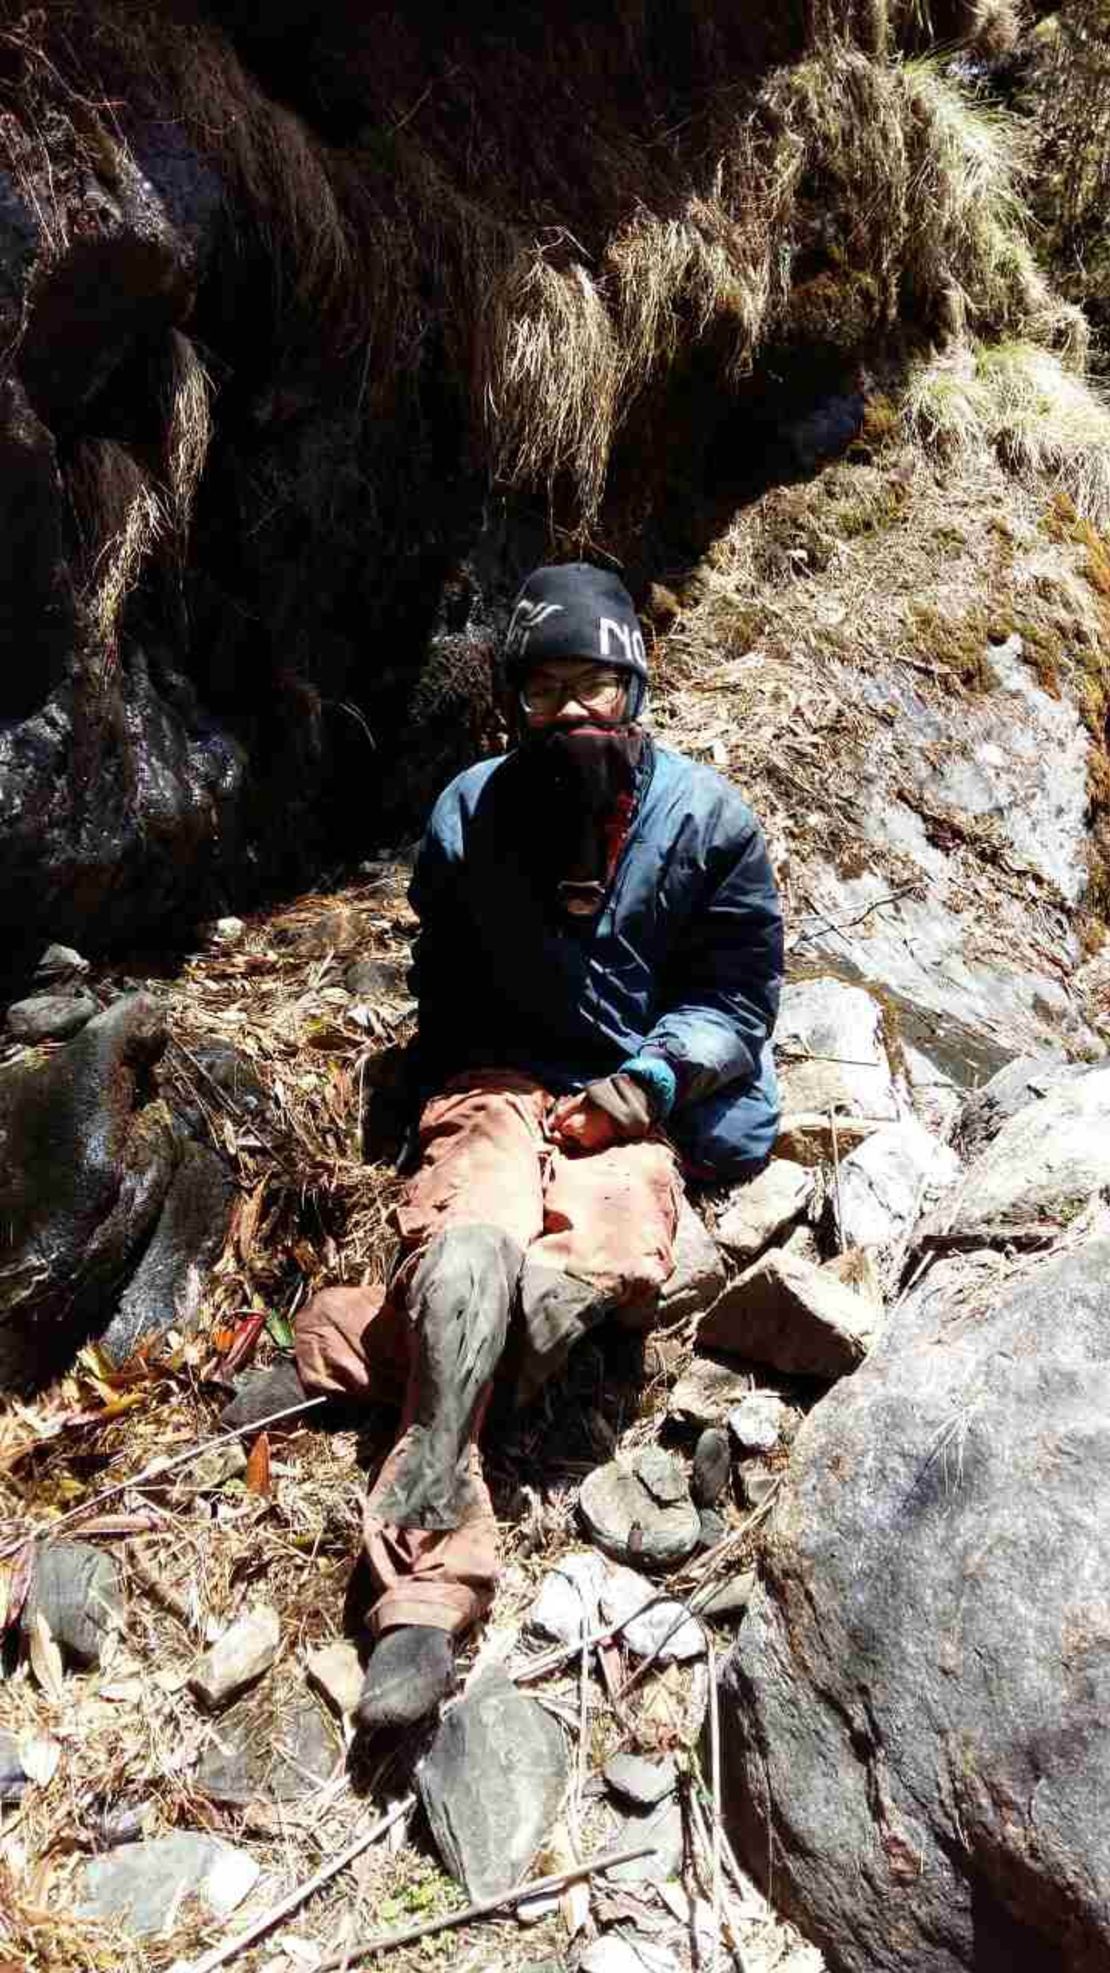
(640, 1781)
(261, 1393)
(661, 1827)
(212, 1469)
(831, 1052)
(268, 1748)
(13, 1780)
(697, 1279)
(707, 1391)
(335, 1670)
(166, 1289)
(377, 979)
(1045, 1164)
(758, 1422)
(86, 1164)
(614, 1952)
(937, 1097)
(142, 1882)
(662, 1474)
(759, 1210)
(624, 1593)
(884, 1185)
(228, 931)
(809, 1137)
(568, 1597)
(712, 1467)
(623, 1518)
(1013, 1088)
(789, 1314)
(247, 1649)
(49, 1016)
(60, 966)
(712, 1528)
(925, 1679)
(757, 1481)
(492, 1784)
(76, 1588)
(804, 1243)
(733, 1596)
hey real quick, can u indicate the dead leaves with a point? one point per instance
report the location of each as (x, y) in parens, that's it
(257, 1478)
(46, 1659)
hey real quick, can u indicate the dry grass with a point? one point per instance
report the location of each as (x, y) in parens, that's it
(188, 430)
(119, 518)
(1048, 425)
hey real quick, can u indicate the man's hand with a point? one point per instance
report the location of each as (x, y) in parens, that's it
(617, 1110)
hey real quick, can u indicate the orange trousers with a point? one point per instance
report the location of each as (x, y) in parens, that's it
(581, 1233)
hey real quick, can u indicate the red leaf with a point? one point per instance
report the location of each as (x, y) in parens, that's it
(257, 1477)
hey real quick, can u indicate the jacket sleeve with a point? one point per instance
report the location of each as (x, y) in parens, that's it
(721, 993)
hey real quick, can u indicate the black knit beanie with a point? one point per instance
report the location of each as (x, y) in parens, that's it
(572, 610)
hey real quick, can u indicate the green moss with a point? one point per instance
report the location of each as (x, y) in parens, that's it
(958, 642)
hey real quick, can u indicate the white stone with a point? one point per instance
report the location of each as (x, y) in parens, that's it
(228, 930)
(707, 1391)
(569, 1597)
(757, 1423)
(1044, 1165)
(840, 1029)
(624, 1593)
(763, 1207)
(142, 1883)
(334, 1669)
(246, 1650)
(884, 1186)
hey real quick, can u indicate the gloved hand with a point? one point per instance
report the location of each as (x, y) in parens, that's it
(616, 1110)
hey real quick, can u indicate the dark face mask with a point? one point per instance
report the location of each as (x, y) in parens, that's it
(581, 795)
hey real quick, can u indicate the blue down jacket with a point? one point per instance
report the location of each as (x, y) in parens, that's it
(685, 957)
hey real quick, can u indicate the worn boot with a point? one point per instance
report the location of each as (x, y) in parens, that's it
(411, 1670)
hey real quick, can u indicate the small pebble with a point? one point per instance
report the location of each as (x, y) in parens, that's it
(641, 1781)
(712, 1467)
(246, 1650)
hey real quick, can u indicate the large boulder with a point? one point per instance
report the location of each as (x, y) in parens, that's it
(915, 1710)
(1044, 1166)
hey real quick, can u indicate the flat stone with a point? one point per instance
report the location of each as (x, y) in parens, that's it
(259, 1393)
(1045, 1164)
(569, 1597)
(76, 1588)
(268, 1749)
(49, 1016)
(492, 1784)
(695, 1283)
(661, 1827)
(712, 1528)
(640, 1781)
(712, 1466)
(246, 1650)
(809, 1137)
(662, 1474)
(212, 1469)
(614, 1952)
(622, 1517)
(624, 1594)
(707, 1391)
(13, 1780)
(830, 1051)
(884, 1186)
(336, 1671)
(763, 1207)
(142, 1882)
(733, 1596)
(1015, 1087)
(375, 979)
(59, 965)
(786, 1313)
(757, 1480)
(757, 1423)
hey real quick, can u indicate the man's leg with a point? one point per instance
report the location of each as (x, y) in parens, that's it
(608, 1238)
(429, 1530)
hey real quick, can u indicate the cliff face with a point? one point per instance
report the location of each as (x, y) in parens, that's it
(318, 329)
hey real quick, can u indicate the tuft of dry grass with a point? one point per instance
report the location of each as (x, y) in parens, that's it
(119, 518)
(188, 430)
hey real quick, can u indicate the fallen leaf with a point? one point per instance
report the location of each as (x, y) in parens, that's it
(279, 1329)
(257, 1477)
(247, 1218)
(244, 1339)
(125, 1691)
(46, 1659)
(39, 1757)
(574, 1905)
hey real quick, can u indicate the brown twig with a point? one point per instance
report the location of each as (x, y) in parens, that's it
(542, 1887)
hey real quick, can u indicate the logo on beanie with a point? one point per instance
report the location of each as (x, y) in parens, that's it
(526, 618)
(628, 637)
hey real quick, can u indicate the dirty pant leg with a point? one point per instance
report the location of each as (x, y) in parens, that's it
(609, 1229)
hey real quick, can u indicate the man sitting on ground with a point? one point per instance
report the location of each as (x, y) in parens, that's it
(597, 974)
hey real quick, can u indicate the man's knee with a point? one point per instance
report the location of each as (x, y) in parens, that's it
(459, 1300)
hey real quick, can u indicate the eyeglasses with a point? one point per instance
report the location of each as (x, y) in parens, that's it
(595, 688)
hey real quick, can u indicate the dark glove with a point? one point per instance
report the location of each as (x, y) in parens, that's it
(626, 1102)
